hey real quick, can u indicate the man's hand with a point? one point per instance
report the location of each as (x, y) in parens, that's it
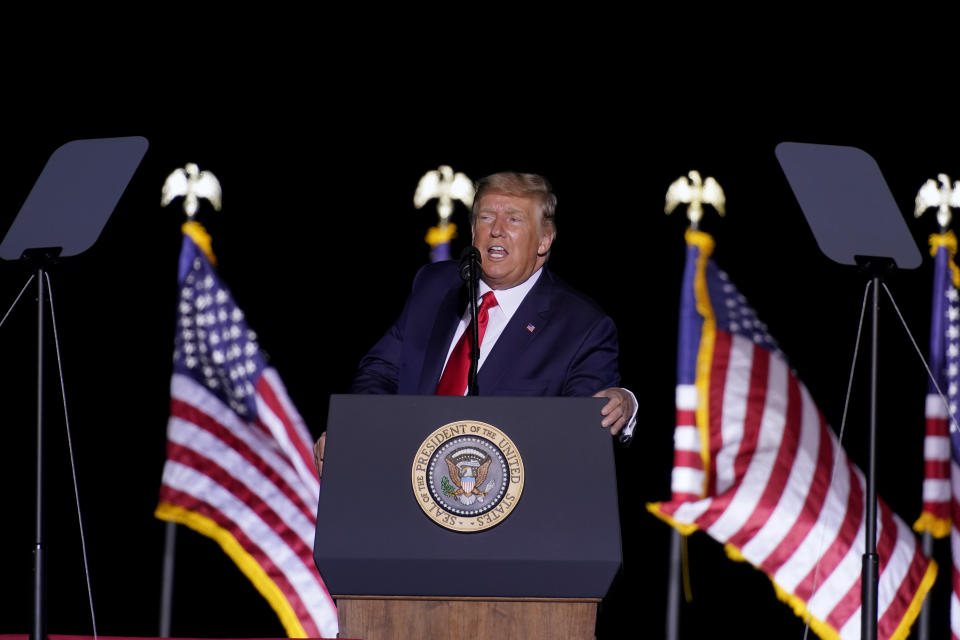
(618, 410)
(318, 448)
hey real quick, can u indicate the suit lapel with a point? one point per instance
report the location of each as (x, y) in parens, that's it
(529, 321)
(447, 317)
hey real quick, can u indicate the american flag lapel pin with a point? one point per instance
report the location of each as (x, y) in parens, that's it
(530, 327)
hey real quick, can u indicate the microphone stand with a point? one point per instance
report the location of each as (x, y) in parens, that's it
(474, 347)
(470, 271)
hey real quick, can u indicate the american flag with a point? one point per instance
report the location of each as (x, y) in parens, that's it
(239, 463)
(940, 506)
(753, 467)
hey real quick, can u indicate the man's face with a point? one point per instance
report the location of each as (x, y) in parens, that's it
(511, 239)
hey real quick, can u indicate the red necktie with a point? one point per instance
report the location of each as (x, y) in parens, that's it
(453, 382)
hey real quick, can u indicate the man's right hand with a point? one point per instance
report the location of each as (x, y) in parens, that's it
(318, 448)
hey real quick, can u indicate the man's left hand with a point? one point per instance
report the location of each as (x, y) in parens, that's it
(318, 449)
(618, 410)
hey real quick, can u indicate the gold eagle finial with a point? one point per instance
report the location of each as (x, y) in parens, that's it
(694, 192)
(943, 197)
(192, 184)
(446, 186)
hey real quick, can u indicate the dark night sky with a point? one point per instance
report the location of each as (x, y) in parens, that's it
(318, 237)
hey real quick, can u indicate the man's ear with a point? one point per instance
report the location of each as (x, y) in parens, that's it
(546, 241)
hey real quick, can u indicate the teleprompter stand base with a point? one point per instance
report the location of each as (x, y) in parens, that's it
(373, 618)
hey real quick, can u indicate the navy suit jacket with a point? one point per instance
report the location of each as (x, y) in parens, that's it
(558, 343)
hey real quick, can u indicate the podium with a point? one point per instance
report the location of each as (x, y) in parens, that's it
(532, 565)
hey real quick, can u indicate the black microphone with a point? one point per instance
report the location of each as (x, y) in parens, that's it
(470, 264)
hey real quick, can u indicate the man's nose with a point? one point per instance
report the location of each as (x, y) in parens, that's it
(496, 229)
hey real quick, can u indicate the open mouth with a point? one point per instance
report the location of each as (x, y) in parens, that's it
(497, 252)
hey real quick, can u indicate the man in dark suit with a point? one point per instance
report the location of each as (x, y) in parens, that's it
(538, 336)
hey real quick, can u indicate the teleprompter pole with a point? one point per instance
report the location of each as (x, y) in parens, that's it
(39, 631)
(871, 567)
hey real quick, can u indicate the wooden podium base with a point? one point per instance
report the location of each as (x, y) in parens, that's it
(373, 618)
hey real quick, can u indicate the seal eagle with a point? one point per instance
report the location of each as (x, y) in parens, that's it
(468, 483)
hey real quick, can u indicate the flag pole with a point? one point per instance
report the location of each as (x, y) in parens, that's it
(166, 587)
(923, 622)
(939, 194)
(673, 587)
(192, 184)
(445, 185)
(693, 191)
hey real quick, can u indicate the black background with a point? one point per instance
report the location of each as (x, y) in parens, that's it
(319, 241)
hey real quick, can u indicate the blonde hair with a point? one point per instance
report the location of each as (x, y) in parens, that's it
(522, 185)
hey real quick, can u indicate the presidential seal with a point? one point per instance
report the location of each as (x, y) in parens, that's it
(467, 476)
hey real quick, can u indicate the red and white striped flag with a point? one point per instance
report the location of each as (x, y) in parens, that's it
(941, 481)
(753, 468)
(239, 458)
